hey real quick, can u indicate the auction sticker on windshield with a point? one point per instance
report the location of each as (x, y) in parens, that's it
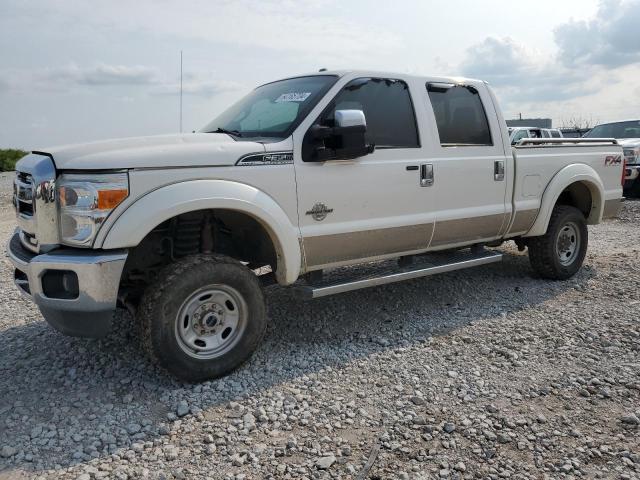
(293, 97)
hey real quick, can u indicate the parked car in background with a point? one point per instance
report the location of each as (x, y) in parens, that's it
(628, 135)
(551, 133)
(517, 134)
(572, 132)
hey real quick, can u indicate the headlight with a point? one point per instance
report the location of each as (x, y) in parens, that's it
(85, 202)
(632, 155)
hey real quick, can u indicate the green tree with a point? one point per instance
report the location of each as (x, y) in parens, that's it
(9, 157)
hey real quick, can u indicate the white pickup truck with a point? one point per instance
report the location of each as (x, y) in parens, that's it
(301, 176)
(628, 135)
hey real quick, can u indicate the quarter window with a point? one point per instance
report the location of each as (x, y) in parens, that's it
(460, 115)
(387, 107)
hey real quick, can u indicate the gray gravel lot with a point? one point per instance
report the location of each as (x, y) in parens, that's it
(484, 373)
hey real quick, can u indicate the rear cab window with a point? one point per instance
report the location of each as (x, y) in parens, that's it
(460, 116)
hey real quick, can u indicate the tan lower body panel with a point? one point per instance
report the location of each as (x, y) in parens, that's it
(467, 229)
(340, 247)
(611, 208)
(523, 221)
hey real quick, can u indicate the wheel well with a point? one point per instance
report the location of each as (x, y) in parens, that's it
(577, 195)
(228, 232)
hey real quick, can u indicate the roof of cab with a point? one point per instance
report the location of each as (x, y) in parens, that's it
(383, 74)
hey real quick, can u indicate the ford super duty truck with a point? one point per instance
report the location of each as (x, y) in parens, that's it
(301, 176)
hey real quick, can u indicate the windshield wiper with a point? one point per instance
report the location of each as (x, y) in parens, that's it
(228, 132)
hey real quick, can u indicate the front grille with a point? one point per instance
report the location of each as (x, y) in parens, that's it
(34, 201)
(23, 194)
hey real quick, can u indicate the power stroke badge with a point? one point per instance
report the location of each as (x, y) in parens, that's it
(319, 212)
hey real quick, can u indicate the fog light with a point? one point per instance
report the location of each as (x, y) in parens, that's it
(62, 284)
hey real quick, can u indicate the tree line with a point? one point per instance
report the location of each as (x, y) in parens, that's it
(9, 157)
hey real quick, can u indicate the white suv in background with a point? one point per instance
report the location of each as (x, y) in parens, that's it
(628, 135)
(519, 133)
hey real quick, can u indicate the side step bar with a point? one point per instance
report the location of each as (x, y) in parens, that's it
(431, 264)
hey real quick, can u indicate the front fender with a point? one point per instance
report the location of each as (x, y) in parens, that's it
(577, 172)
(160, 205)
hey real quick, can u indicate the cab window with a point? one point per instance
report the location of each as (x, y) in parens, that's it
(460, 115)
(387, 107)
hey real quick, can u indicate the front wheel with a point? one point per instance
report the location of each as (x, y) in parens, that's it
(204, 316)
(559, 253)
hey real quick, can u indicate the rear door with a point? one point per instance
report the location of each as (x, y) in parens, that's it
(470, 165)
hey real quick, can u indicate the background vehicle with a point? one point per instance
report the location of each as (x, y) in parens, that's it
(302, 176)
(628, 135)
(551, 133)
(519, 133)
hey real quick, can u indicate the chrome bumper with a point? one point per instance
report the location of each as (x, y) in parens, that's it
(93, 278)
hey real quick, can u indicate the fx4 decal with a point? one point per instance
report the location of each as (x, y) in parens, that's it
(612, 160)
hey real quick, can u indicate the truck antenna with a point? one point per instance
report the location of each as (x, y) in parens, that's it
(180, 91)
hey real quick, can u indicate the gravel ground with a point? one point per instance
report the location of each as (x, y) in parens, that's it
(484, 373)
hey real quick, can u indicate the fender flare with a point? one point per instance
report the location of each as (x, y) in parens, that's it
(574, 173)
(157, 206)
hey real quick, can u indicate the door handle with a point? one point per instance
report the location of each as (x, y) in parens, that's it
(426, 174)
(498, 170)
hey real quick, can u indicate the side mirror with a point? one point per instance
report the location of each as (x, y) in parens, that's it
(344, 141)
(350, 118)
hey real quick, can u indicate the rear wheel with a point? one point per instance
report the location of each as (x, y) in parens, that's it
(203, 317)
(560, 252)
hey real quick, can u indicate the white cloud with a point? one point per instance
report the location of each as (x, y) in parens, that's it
(589, 64)
(609, 39)
(198, 88)
(523, 74)
(306, 26)
(72, 77)
(98, 75)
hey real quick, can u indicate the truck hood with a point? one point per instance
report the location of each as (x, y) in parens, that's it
(159, 151)
(629, 142)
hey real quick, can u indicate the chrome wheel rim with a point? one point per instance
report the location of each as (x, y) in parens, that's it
(568, 244)
(211, 321)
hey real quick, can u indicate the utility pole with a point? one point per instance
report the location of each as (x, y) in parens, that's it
(180, 91)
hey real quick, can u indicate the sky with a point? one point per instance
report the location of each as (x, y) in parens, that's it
(75, 70)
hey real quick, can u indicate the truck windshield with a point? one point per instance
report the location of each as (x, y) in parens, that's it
(616, 130)
(272, 110)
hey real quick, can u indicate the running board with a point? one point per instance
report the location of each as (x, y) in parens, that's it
(426, 265)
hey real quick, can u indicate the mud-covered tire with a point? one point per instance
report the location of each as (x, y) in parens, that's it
(167, 339)
(551, 255)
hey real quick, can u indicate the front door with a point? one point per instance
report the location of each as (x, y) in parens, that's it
(373, 206)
